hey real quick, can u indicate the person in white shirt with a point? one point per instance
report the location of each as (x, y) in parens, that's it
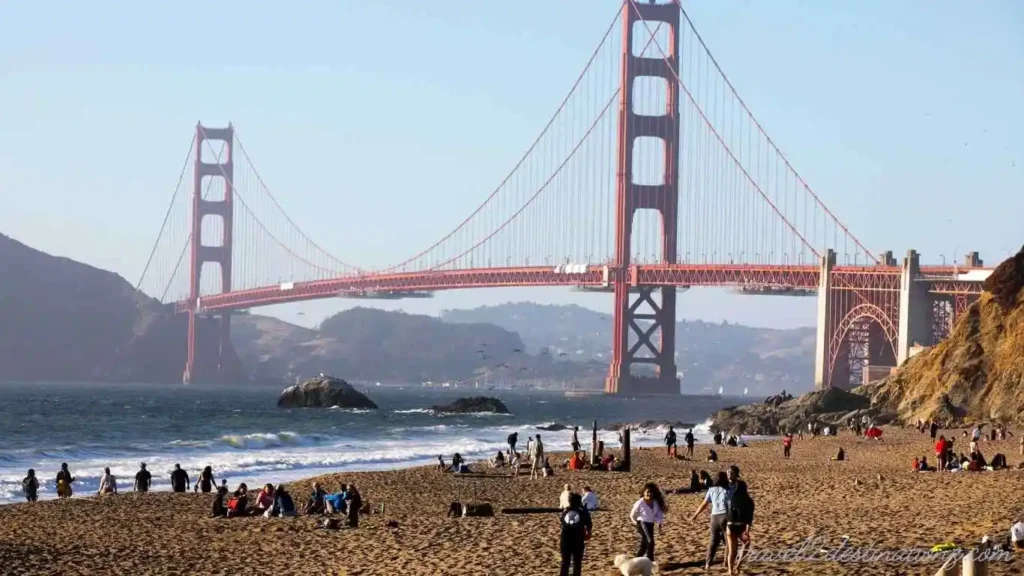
(1017, 535)
(108, 484)
(589, 499)
(648, 511)
(718, 498)
(563, 500)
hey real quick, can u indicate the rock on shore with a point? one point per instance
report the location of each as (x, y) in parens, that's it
(473, 405)
(778, 415)
(324, 392)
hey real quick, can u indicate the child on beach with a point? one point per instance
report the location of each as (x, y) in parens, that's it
(64, 480)
(576, 529)
(30, 485)
(649, 510)
(787, 445)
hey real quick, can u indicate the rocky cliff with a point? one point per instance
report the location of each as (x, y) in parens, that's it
(64, 320)
(978, 372)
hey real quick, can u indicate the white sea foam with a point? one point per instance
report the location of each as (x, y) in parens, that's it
(283, 456)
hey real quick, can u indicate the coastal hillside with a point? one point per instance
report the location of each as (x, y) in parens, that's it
(978, 372)
(376, 345)
(763, 360)
(61, 320)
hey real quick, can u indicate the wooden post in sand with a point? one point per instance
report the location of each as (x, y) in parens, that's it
(593, 446)
(625, 449)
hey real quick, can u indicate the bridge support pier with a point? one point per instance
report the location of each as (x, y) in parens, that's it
(916, 309)
(824, 326)
(644, 330)
(219, 253)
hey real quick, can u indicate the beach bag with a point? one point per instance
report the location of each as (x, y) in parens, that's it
(233, 504)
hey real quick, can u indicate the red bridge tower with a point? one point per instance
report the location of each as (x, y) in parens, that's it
(201, 252)
(644, 329)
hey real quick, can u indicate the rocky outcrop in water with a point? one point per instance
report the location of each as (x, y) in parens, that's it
(473, 405)
(324, 392)
(975, 374)
(778, 415)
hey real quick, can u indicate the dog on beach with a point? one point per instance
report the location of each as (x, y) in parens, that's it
(639, 566)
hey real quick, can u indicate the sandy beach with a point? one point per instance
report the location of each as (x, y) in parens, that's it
(163, 533)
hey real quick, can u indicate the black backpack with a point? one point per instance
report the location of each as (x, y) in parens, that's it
(741, 508)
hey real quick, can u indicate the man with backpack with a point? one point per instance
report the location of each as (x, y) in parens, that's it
(739, 517)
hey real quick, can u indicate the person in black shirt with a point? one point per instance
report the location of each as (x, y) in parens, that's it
(64, 480)
(670, 441)
(689, 444)
(512, 439)
(206, 480)
(31, 486)
(576, 527)
(143, 479)
(576, 439)
(354, 502)
(179, 479)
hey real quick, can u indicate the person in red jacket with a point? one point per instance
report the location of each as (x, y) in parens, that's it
(940, 453)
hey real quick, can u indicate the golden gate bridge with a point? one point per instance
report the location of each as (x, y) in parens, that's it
(651, 175)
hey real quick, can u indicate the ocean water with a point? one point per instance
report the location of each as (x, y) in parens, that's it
(242, 434)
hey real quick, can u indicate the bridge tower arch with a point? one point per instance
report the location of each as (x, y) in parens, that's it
(202, 252)
(644, 328)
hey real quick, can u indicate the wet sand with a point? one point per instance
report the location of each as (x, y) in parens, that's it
(163, 533)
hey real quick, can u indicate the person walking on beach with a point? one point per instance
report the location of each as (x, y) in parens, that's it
(30, 485)
(64, 480)
(649, 510)
(206, 481)
(933, 429)
(670, 442)
(740, 517)
(143, 479)
(512, 439)
(537, 458)
(576, 528)
(179, 479)
(718, 497)
(690, 441)
(787, 445)
(108, 483)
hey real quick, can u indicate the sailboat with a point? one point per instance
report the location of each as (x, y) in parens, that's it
(745, 391)
(719, 390)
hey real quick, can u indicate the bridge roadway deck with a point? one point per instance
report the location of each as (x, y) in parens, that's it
(726, 275)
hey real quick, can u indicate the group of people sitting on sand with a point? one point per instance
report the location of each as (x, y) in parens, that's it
(270, 502)
(347, 502)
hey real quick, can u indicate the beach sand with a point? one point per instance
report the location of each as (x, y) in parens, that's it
(163, 533)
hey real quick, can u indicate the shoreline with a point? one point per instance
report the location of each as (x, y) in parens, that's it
(872, 497)
(649, 438)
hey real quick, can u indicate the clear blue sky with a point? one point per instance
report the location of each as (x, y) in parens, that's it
(905, 116)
